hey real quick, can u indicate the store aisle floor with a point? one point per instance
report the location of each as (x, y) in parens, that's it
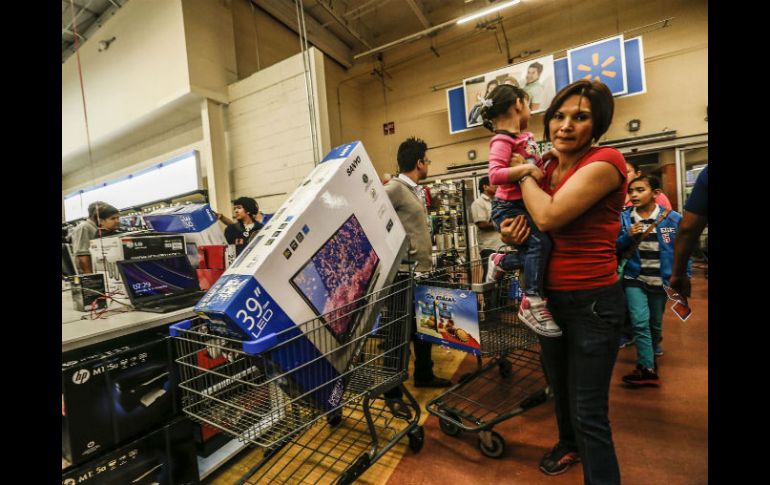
(661, 435)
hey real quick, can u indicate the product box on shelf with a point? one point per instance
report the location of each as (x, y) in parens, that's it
(107, 251)
(162, 457)
(334, 240)
(197, 222)
(87, 288)
(114, 395)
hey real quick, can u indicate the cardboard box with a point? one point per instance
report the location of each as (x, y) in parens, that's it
(162, 457)
(335, 239)
(113, 396)
(197, 222)
(86, 289)
(107, 251)
(213, 257)
(208, 277)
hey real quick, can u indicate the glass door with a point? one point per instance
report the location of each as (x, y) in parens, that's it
(690, 161)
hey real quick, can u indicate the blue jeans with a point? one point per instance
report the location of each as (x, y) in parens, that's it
(532, 256)
(578, 366)
(646, 309)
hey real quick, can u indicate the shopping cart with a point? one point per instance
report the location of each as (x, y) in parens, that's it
(226, 384)
(510, 380)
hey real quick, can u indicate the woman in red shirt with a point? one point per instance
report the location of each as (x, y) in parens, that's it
(578, 202)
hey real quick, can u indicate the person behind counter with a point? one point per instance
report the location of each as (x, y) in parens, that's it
(103, 220)
(246, 225)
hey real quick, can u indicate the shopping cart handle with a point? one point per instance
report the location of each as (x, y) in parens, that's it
(174, 329)
(260, 345)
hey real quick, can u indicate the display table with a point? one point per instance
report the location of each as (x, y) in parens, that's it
(77, 333)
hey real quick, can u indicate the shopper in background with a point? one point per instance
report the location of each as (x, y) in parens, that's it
(506, 113)
(696, 217)
(103, 220)
(246, 225)
(632, 172)
(408, 200)
(646, 238)
(481, 211)
(578, 203)
(534, 87)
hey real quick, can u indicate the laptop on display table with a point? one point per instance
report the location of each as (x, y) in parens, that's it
(161, 285)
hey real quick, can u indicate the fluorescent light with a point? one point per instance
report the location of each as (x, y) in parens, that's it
(486, 12)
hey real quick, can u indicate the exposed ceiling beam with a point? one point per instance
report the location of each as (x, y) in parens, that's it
(418, 11)
(284, 12)
(364, 9)
(344, 24)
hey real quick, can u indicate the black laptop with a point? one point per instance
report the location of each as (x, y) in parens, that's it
(162, 284)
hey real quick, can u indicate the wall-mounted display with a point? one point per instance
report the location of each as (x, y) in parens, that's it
(536, 77)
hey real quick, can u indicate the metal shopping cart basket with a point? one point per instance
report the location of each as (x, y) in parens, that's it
(241, 388)
(511, 379)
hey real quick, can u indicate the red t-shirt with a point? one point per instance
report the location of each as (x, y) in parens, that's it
(583, 254)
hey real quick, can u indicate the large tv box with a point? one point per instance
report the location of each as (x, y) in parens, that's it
(336, 239)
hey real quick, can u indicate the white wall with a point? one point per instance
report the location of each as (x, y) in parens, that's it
(269, 139)
(144, 69)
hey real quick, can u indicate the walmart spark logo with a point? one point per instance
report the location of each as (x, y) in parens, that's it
(602, 61)
(593, 68)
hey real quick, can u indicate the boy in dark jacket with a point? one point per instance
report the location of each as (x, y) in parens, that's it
(648, 269)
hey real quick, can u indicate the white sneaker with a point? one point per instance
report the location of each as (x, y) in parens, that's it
(535, 315)
(494, 272)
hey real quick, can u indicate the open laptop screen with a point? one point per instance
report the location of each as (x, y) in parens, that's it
(147, 279)
(339, 273)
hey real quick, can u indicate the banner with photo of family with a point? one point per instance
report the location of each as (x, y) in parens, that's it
(536, 77)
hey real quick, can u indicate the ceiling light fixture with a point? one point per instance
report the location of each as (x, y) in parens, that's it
(486, 12)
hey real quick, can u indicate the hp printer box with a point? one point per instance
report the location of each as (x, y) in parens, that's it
(197, 222)
(114, 395)
(334, 240)
(163, 457)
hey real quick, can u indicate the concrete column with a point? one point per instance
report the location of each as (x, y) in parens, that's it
(214, 156)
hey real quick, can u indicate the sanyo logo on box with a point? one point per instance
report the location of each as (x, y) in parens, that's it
(353, 166)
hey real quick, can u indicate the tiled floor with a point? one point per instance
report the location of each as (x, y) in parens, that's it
(661, 435)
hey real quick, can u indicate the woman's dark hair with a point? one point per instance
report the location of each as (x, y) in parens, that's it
(502, 97)
(409, 153)
(652, 181)
(602, 105)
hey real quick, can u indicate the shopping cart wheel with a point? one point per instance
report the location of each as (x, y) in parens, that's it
(506, 369)
(416, 438)
(497, 447)
(335, 418)
(449, 427)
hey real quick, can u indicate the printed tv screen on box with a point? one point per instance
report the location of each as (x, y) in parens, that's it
(336, 238)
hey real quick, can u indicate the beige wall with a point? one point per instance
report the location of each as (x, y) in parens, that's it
(143, 69)
(209, 38)
(676, 71)
(268, 131)
(260, 40)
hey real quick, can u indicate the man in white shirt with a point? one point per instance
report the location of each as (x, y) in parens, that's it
(481, 212)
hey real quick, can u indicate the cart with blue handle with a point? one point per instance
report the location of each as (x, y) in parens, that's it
(243, 388)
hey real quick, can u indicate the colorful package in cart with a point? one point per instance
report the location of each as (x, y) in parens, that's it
(335, 240)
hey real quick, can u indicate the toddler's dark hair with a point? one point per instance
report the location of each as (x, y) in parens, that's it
(502, 97)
